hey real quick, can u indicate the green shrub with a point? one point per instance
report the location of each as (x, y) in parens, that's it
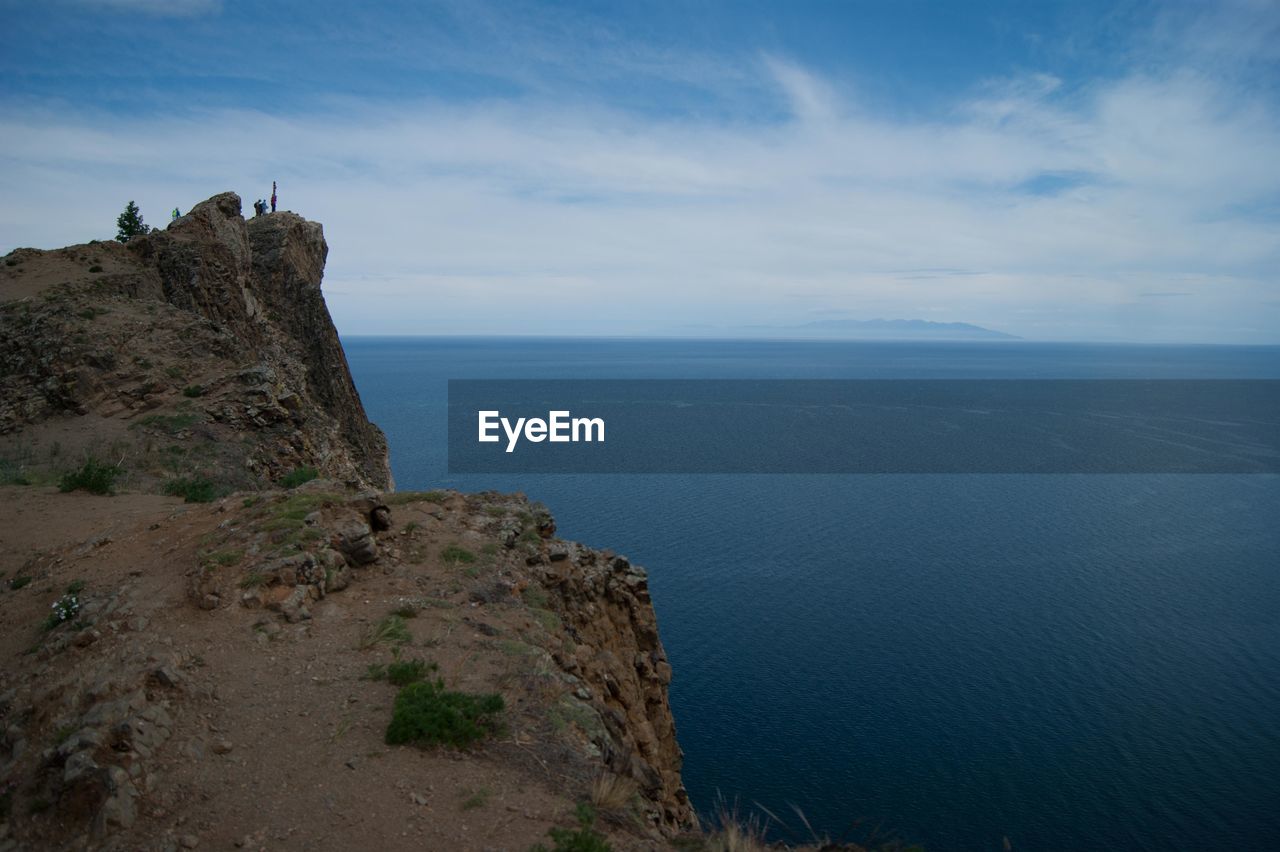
(95, 268)
(582, 839)
(18, 582)
(92, 476)
(192, 489)
(299, 475)
(426, 715)
(193, 391)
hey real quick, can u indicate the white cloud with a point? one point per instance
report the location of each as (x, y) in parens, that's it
(506, 217)
(811, 99)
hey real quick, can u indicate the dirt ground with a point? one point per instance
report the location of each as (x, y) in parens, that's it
(276, 738)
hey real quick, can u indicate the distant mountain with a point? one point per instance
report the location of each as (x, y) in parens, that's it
(882, 329)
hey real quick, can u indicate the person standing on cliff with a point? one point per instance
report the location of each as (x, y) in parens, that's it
(273, 196)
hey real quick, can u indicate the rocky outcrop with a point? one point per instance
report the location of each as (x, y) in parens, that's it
(604, 603)
(261, 280)
(213, 331)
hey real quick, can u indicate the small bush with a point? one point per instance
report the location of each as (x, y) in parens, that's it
(92, 476)
(76, 587)
(95, 268)
(192, 489)
(65, 608)
(18, 582)
(193, 391)
(426, 715)
(298, 476)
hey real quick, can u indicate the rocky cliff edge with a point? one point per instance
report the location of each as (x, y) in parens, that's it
(215, 673)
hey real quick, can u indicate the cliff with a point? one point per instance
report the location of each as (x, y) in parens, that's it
(215, 673)
(211, 335)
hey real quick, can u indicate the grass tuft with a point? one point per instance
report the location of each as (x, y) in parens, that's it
(399, 498)
(391, 630)
(298, 476)
(402, 672)
(611, 792)
(455, 555)
(581, 839)
(474, 799)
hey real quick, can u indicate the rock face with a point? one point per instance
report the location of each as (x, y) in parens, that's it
(604, 603)
(212, 329)
(260, 279)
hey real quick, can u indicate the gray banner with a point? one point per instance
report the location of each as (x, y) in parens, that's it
(864, 426)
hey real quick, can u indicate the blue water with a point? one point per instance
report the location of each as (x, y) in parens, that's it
(1072, 662)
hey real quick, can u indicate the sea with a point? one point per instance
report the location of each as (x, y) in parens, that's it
(961, 661)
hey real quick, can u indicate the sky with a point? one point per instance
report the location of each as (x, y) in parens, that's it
(1059, 171)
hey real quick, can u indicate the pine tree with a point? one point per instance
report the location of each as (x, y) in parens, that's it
(130, 224)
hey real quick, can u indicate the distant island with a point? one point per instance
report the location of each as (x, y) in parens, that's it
(881, 329)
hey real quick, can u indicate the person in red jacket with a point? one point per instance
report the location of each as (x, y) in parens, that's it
(273, 196)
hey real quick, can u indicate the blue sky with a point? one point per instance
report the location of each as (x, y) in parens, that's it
(1086, 171)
